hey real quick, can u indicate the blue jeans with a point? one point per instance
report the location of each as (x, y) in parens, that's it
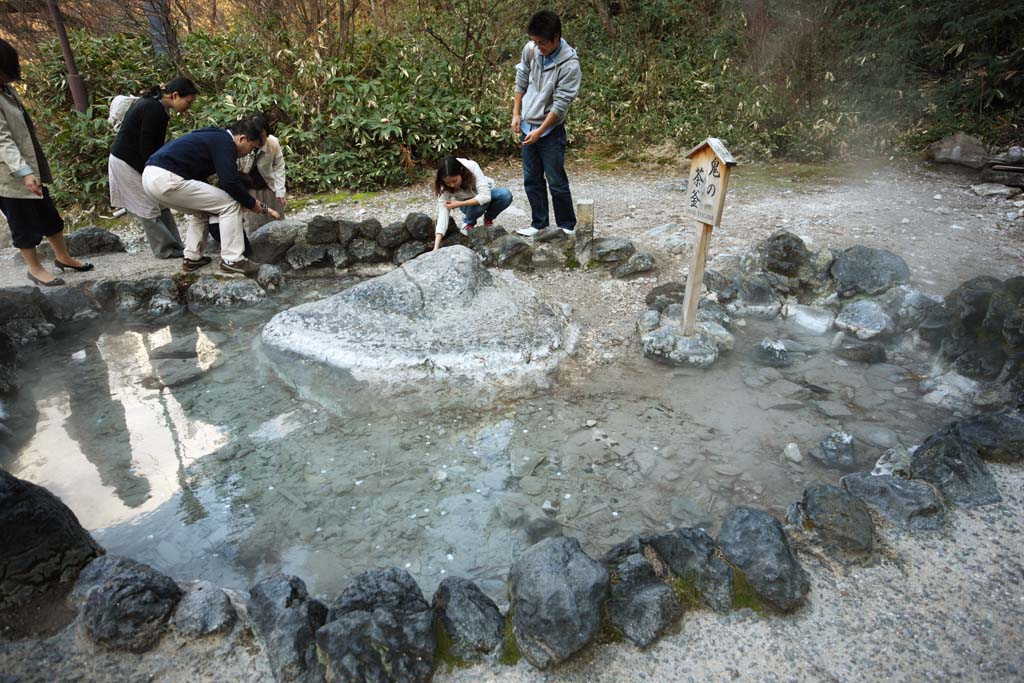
(545, 159)
(500, 200)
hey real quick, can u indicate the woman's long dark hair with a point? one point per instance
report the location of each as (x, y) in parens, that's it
(10, 65)
(451, 166)
(179, 84)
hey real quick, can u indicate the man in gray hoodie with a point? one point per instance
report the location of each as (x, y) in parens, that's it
(547, 81)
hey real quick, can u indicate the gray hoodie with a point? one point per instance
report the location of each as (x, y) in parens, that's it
(550, 89)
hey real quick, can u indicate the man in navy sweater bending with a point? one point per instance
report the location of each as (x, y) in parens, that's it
(175, 176)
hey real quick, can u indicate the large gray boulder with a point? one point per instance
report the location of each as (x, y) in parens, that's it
(754, 542)
(380, 630)
(127, 604)
(285, 619)
(961, 149)
(42, 541)
(906, 503)
(556, 594)
(956, 470)
(995, 436)
(439, 323)
(472, 621)
(864, 270)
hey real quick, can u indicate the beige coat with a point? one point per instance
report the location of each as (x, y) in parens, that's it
(270, 162)
(18, 154)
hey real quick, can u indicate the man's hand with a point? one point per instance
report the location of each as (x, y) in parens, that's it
(33, 184)
(532, 136)
(517, 123)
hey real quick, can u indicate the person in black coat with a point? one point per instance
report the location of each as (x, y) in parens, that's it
(143, 131)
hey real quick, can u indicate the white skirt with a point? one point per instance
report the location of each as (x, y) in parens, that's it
(126, 190)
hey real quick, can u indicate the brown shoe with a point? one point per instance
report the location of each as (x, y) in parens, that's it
(242, 266)
(188, 265)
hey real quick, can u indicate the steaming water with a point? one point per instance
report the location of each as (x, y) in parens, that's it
(175, 445)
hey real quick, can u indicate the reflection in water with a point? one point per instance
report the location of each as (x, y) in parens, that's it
(116, 435)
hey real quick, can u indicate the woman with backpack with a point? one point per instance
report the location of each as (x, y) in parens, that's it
(142, 132)
(24, 199)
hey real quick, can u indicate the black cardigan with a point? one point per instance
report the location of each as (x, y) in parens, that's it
(142, 132)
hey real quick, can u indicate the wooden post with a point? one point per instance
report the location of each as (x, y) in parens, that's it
(710, 163)
(584, 230)
(696, 278)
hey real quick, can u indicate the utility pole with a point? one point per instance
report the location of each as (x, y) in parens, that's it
(75, 82)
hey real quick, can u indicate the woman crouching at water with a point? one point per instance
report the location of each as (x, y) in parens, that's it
(461, 184)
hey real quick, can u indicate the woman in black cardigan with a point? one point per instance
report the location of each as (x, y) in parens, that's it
(143, 132)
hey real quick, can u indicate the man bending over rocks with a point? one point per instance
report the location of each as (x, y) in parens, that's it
(175, 177)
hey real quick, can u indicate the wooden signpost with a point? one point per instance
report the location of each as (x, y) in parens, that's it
(710, 163)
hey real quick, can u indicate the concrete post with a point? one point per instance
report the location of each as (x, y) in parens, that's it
(584, 230)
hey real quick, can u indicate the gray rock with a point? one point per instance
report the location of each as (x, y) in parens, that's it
(549, 234)
(270, 278)
(865, 319)
(347, 231)
(437, 321)
(810, 319)
(751, 295)
(419, 226)
(368, 229)
(754, 542)
(864, 270)
(339, 256)
(995, 436)
(861, 352)
(641, 605)
(154, 295)
(908, 306)
(211, 291)
(548, 255)
(71, 303)
(712, 311)
(612, 249)
(773, 354)
(691, 555)
(380, 630)
(671, 237)
(640, 262)
(649, 320)
(128, 608)
(409, 251)
(285, 620)
(204, 610)
(956, 470)
(908, 504)
(667, 345)
(322, 230)
(25, 314)
(1004, 302)
(664, 295)
(556, 594)
(894, 461)
(969, 302)
(836, 451)
(271, 241)
(393, 235)
(93, 240)
(43, 543)
(8, 368)
(483, 235)
(839, 519)
(510, 251)
(363, 250)
(470, 618)
(785, 253)
(982, 362)
(303, 255)
(961, 149)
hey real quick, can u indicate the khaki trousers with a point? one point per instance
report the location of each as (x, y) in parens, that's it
(199, 201)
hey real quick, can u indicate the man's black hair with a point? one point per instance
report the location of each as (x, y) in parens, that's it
(10, 65)
(545, 24)
(248, 128)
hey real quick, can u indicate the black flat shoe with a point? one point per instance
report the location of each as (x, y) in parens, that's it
(63, 266)
(55, 282)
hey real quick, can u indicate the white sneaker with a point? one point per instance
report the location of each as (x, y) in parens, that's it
(527, 232)
(465, 228)
(569, 232)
